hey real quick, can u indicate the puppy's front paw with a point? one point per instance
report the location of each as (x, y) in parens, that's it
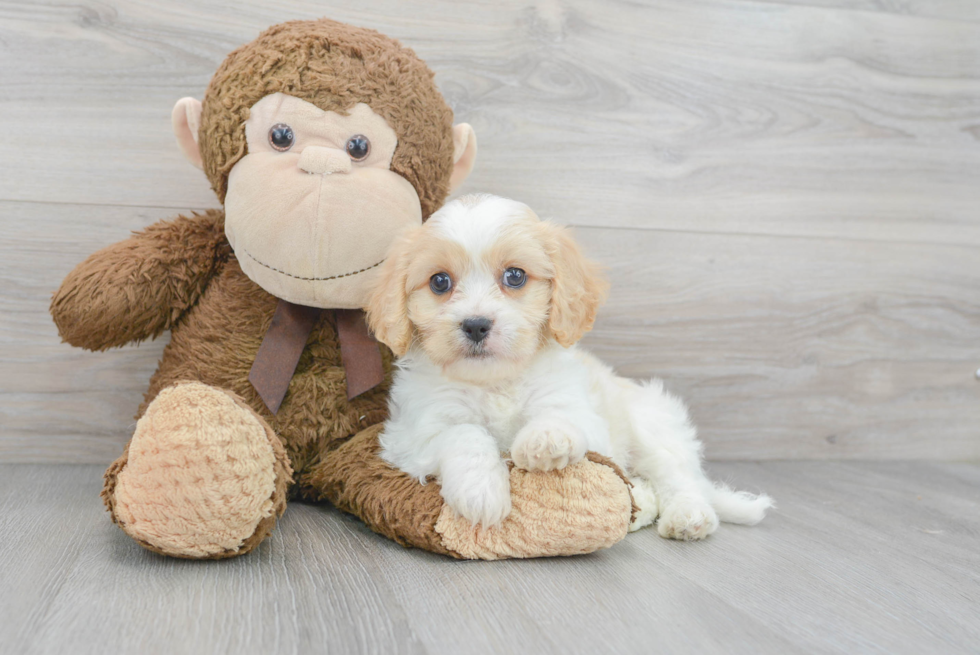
(548, 445)
(479, 496)
(687, 519)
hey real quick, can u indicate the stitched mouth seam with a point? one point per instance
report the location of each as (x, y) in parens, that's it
(311, 279)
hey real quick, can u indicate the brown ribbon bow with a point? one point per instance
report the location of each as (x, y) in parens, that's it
(279, 353)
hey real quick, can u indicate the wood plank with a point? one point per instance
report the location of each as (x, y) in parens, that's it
(301, 589)
(869, 557)
(784, 347)
(846, 564)
(802, 347)
(611, 601)
(46, 514)
(958, 10)
(59, 403)
(731, 116)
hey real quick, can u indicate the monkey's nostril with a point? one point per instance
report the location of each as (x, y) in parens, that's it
(476, 328)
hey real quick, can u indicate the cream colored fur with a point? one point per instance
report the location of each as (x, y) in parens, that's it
(522, 387)
(464, 154)
(554, 516)
(200, 474)
(186, 119)
(284, 210)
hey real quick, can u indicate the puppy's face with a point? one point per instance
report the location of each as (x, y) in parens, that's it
(481, 287)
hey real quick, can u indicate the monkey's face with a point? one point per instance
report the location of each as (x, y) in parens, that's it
(313, 206)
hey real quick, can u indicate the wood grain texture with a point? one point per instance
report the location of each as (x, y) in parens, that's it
(783, 347)
(800, 348)
(860, 557)
(59, 403)
(735, 116)
(785, 194)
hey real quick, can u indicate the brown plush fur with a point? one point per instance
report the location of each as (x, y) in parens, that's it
(392, 503)
(356, 480)
(182, 276)
(331, 442)
(217, 319)
(139, 288)
(216, 340)
(333, 66)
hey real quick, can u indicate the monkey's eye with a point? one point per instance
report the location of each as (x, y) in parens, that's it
(440, 283)
(281, 137)
(514, 278)
(358, 147)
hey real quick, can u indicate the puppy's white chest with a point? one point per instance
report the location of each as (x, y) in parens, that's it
(503, 415)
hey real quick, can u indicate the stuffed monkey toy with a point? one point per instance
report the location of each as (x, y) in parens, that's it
(322, 141)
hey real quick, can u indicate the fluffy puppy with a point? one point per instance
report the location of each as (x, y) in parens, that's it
(483, 304)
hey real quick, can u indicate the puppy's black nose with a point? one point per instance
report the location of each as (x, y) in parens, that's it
(477, 328)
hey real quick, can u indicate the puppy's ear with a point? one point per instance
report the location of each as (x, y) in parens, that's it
(577, 288)
(387, 310)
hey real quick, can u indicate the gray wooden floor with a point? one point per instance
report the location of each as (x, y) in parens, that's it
(860, 557)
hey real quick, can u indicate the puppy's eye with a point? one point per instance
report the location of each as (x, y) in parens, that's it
(440, 283)
(281, 137)
(358, 147)
(514, 278)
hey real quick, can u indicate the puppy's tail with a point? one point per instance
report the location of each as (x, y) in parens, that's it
(739, 506)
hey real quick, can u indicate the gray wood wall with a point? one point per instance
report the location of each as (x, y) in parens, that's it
(786, 194)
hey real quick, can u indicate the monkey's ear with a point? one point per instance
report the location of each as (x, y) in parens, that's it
(464, 154)
(186, 119)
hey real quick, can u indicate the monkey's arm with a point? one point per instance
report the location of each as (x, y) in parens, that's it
(582, 508)
(137, 288)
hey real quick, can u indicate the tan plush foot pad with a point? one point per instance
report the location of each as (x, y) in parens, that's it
(204, 476)
(580, 509)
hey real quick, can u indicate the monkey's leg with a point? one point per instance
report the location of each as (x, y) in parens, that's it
(204, 477)
(582, 508)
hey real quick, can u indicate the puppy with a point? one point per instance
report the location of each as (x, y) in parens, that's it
(483, 304)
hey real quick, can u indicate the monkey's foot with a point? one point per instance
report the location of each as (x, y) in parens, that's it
(579, 509)
(203, 477)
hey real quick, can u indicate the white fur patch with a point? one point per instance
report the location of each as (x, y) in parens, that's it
(546, 407)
